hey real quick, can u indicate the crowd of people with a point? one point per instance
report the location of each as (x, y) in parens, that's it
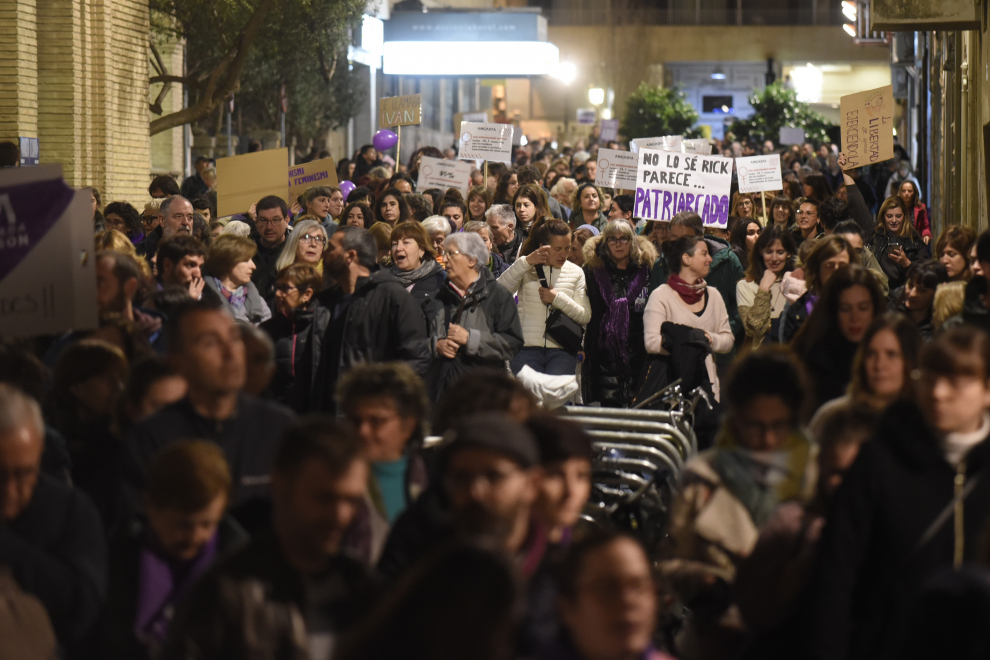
(320, 429)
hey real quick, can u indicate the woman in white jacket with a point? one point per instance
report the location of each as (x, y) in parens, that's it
(546, 250)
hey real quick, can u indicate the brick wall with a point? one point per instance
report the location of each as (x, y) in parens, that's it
(82, 88)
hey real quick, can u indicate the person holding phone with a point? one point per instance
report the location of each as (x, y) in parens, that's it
(896, 243)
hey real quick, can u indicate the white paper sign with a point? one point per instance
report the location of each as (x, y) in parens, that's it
(47, 266)
(697, 146)
(616, 169)
(789, 135)
(443, 174)
(610, 130)
(665, 143)
(668, 183)
(492, 142)
(759, 173)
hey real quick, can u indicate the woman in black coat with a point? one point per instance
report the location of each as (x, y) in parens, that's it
(617, 272)
(896, 243)
(893, 522)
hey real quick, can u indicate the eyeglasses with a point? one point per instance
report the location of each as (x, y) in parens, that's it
(285, 288)
(313, 239)
(148, 219)
(617, 240)
(265, 221)
(451, 253)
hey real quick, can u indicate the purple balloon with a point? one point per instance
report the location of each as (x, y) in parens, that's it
(384, 139)
(346, 187)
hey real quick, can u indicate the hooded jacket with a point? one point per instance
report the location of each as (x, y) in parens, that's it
(488, 312)
(873, 557)
(603, 380)
(379, 322)
(572, 298)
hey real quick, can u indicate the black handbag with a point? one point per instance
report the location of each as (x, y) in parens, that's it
(561, 328)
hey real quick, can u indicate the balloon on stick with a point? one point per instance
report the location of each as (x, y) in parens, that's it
(346, 187)
(384, 140)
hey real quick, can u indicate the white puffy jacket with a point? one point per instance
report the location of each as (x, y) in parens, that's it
(572, 297)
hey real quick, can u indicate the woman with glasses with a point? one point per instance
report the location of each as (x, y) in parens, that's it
(414, 261)
(726, 496)
(617, 270)
(473, 322)
(124, 218)
(296, 308)
(304, 245)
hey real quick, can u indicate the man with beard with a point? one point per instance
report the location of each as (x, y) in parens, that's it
(373, 318)
(489, 481)
(176, 213)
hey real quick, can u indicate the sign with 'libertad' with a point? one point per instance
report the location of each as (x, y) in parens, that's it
(399, 111)
(867, 126)
(668, 183)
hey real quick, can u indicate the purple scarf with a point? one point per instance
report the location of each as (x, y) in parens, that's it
(615, 322)
(162, 585)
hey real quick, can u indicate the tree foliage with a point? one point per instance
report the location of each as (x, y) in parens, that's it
(656, 111)
(777, 107)
(252, 48)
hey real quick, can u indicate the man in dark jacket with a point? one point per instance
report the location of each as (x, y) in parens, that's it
(290, 592)
(206, 348)
(51, 537)
(272, 223)
(194, 186)
(506, 237)
(372, 317)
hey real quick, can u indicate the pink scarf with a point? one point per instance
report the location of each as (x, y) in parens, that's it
(689, 293)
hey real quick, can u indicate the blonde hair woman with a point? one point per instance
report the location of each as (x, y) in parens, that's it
(305, 245)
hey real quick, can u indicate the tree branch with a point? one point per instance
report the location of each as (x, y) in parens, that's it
(182, 80)
(230, 68)
(156, 107)
(326, 71)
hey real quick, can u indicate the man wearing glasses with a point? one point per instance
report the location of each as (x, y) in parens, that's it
(272, 223)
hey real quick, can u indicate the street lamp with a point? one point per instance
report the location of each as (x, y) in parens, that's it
(565, 72)
(596, 95)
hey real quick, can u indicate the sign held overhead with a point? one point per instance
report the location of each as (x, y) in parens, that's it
(245, 179)
(759, 173)
(399, 111)
(486, 142)
(867, 125)
(668, 183)
(321, 172)
(444, 174)
(616, 169)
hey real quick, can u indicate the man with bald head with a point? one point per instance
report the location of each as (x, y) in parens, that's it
(51, 537)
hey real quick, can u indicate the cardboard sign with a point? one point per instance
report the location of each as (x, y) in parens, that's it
(759, 173)
(444, 174)
(399, 111)
(789, 135)
(667, 183)
(321, 172)
(665, 143)
(610, 130)
(867, 123)
(492, 142)
(47, 266)
(616, 169)
(243, 180)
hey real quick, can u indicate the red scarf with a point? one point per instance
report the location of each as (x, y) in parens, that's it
(689, 293)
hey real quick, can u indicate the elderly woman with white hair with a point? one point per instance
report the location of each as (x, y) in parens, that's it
(305, 244)
(472, 321)
(438, 227)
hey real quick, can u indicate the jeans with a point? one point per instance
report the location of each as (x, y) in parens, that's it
(550, 361)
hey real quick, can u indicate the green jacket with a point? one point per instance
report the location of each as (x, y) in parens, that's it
(725, 273)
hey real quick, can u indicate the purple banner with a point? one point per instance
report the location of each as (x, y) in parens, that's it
(27, 213)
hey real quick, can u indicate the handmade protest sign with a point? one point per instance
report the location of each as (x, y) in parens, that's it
(698, 146)
(665, 143)
(47, 263)
(609, 130)
(667, 183)
(486, 142)
(790, 135)
(443, 174)
(759, 173)
(321, 172)
(616, 169)
(399, 111)
(867, 126)
(243, 180)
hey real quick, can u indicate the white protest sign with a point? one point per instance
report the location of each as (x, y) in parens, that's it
(759, 173)
(47, 265)
(609, 130)
(492, 142)
(616, 169)
(665, 143)
(668, 183)
(443, 174)
(698, 146)
(789, 135)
